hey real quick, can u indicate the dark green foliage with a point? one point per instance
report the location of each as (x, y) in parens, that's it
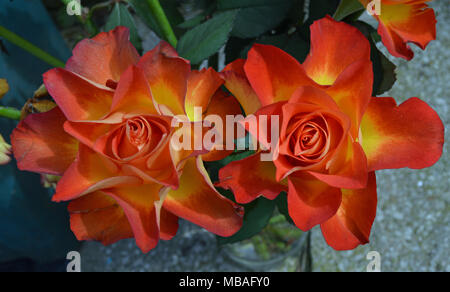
(120, 16)
(206, 39)
(257, 215)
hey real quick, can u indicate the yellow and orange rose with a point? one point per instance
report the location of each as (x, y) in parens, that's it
(110, 139)
(333, 135)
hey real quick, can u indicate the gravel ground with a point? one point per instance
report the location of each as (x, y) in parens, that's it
(412, 228)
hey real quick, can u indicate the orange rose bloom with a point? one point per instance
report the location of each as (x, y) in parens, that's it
(110, 139)
(333, 134)
(405, 21)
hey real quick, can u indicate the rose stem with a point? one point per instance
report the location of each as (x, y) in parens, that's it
(29, 47)
(163, 22)
(10, 113)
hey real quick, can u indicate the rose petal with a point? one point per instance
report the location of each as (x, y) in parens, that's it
(347, 169)
(88, 133)
(310, 201)
(139, 205)
(251, 178)
(221, 105)
(196, 200)
(314, 96)
(187, 133)
(104, 57)
(274, 74)
(168, 225)
(337, 126)
(99, 217)
(254, 123)
(132, 96)
(201, 87)
(167, 49)
(409, 135)
(159, 166)
(237, 83)
(334, 46)
(353, 221)
(394, 43)
(88, 173)
(40, 144)
(401, 23)
(167, 77)
(78, 98)
(352, 91)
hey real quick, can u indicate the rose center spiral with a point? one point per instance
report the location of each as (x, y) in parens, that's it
(309, 141)
(136, 137)
(138, 131)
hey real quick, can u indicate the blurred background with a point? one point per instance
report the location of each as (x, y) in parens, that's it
(411, 231)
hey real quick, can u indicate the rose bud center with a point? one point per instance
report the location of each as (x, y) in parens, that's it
(309, 141)
(137, 136)
(138, 131)
(309, 138)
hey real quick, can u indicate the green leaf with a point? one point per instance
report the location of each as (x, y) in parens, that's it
(120, 16)
(206, 39)
(346, 8)
(375, 36)
(256, 17)
(257, 215)
(282, 205)
(389, 75)
(320, 8)
(234, 4)
(383, 69)
(293, 44)
(190, 23)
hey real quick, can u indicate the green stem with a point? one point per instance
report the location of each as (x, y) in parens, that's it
(29, 47)
(90, 26)
(10, 113)
(86, 22)
(163, 22)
